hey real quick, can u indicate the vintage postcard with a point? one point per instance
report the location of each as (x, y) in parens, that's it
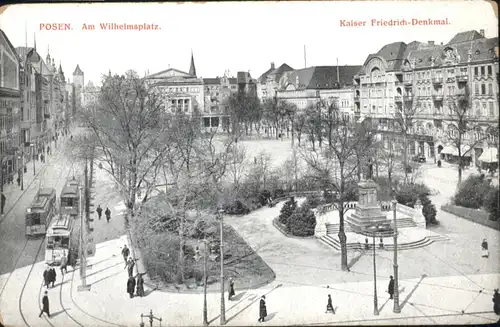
(249, 163)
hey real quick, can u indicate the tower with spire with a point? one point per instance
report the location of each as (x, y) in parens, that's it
(78, 77)
(192, 68)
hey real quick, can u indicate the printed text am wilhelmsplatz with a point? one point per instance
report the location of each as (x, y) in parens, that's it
(100, 27)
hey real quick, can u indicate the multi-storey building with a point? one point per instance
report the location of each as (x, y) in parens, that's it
(10, 108)
(268, 83)
(90, 95)
(304, 87)
(423, 79)
(217, 92)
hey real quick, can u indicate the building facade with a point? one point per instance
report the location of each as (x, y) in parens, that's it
(217, 92)
(423, 78)
(268, 83)
(10, 109)
(306, 87)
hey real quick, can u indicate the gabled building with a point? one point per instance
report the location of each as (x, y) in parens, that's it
(426, 76)
(267, 83)
(217, 92)
(306, 87)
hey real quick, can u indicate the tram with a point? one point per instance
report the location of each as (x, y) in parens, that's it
(40, 212)
(58, 239)
(70, 198)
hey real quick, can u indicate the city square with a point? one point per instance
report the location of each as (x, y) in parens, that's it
(363, 192)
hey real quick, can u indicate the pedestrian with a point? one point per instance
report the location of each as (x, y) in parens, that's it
(485, 252)
(42, 158)
(131, 286)
(18, 180)
(496, 302)
(329, 305)
(64, 264)
(125, 253)
(391, 287)
(262, 309)
(46, 277)
(231, 288)
(45, 305)
(130, 266)
(108, 214)
(99, 211)
(48, 150)
(71, 137)
(53, 276)
(4, 199)
(140, 285)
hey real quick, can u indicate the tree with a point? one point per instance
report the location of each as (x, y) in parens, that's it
(237, 164)
(129, 129)
(390, 157)
(302, 221)
(335, 166)
(279, 113)
(244, 109)
(287, 210)
(463, 133)
(299, 123)
(404, 118)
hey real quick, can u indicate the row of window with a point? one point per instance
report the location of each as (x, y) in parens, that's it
(480, 109)
(183, 89)
(482, 87)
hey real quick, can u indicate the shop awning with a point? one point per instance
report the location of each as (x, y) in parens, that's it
(489, 155)
(448, 150)
(454, 151)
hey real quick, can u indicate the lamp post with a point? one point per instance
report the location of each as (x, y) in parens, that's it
(222, 305)
(32, 146)
(21, 170)
(197, 257)
(375, 299)
(396, 308)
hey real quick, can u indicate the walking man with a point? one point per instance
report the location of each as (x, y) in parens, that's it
(391, 287)
(329, 305)
(130, 266)
(45, 305)
(99, 211)
(64, 264)
(484, 246)
(262, 309)
(52, 276)
(3, 200)
(46, 277)
(131, 286)
(231, 288)
(108, 214)
(140, 285)
(125, 253)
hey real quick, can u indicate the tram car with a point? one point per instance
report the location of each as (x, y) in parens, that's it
(39, 214)
(70, 198)
(58, 239)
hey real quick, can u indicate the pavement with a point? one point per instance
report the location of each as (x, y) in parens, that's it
(444, 283)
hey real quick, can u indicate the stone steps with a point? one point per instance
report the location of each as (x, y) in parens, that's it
(402, 223)
(334, 243)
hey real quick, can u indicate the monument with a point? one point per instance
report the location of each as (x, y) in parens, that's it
(368, 212)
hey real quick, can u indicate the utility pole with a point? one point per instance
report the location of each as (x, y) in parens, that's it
(222, 304)
(83, 234)
(396, 308)
(375, 299)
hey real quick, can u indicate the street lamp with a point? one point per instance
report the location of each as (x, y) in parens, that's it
(32, 146)
(396, 308)
(220, 216)
(375, 299)
(197, 257)
(21, 170)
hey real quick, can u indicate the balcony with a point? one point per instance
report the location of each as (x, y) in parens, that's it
(46, 116)
(398, 98)
(462, 78)
(437, 80)
(437, 97)
(408, 98)
(408, 82)
(25, 124)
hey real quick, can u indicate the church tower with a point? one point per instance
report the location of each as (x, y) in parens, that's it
(192, 68)
(78, 77)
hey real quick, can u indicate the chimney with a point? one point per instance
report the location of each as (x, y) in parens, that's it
(431, 42)
(272, 65)
(481, 32)
(441, 43)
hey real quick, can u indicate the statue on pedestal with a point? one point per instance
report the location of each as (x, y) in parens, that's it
(369, 170)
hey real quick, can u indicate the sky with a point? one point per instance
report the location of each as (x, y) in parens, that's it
(234, 36)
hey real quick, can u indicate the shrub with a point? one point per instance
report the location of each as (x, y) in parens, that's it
(236, 208)
(472, 192)
(287, 210)
(492, 203)
(351, 191)
(314, 200)
(302, 222)
(429, 211)
(410, 193)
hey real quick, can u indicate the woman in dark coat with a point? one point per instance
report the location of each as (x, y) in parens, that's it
(45, 305)
(231, 288)
(329, 305)
(262, 309)
(131, 286)
(52, 276)
(484, 247)
(140, 286)
(496, 302)
(46, 277)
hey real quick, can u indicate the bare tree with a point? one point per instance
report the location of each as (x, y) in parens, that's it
(299, 123)
(279, 113)
(390, 157)
(463, 132)
(237, 165)
(335, 166)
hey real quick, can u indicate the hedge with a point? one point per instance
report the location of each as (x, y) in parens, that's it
(474, 215)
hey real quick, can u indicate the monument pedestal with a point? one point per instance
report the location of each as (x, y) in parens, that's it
(368, 211)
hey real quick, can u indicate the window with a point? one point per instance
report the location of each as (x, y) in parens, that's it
(476, 89)
(476, 71)
(491, 109)
(482, 70)
(490, 89)
(489, 71)
(483, 89)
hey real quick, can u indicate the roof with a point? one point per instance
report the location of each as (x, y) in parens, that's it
(78, 71)
(69, 190)
(23, 52)
(211, 80)
(13, 49)
(319, 77)
(278, 72)
(169, 73)
(46, 192)
(465, 37)
(233, 80)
